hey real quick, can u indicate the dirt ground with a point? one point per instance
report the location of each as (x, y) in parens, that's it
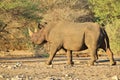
(35, 69)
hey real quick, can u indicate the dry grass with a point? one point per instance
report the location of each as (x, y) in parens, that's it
(68, 10)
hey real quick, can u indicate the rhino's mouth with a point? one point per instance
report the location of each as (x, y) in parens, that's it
(43, 42)
(38, 45)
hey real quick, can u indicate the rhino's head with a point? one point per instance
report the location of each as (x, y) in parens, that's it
(38, 37)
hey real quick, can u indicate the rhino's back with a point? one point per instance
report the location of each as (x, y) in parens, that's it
(68, 29)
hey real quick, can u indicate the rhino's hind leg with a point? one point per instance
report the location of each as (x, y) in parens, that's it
(110, 56)
(93, 54)
(69, 57)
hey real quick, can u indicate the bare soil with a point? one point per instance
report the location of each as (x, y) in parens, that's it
(36, 69)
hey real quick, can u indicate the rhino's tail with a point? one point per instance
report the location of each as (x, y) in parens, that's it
(106, 39)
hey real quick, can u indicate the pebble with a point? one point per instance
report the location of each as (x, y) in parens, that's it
(9, 67)
(115, 77)
(3, 66)
(17, 78)
(29, 78)
(8, 79)
(49, 78)
(16, 65)
(1, 76)
(67, 75)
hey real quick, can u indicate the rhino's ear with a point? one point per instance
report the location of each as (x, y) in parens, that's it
(42, 25)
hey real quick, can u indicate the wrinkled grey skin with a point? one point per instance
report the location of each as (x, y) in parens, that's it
(73, 37)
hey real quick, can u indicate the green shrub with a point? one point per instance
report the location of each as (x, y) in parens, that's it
(22, 8)
(19, 15)
(107, 13)
(105, 10)
(113, 31)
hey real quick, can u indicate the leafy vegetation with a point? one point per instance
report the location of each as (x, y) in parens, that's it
(113, 31)
(18, 15)
(22, 8)
(107, 13)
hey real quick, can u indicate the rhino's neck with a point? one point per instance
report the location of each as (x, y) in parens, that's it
(46, 33)
(48, 29)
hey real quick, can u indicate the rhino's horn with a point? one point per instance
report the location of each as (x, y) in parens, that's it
(30, 32)
(35, 30)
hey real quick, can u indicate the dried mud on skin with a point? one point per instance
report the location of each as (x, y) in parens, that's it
(35, 69)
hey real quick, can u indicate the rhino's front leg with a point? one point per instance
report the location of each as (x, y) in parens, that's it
(53, 50)
(69, 57)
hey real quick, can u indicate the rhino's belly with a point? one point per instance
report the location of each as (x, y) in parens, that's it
(73, 45)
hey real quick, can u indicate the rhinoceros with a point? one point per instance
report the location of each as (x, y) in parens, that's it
(73, 37)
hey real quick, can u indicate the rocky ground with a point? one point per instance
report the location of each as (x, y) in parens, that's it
(35, 69)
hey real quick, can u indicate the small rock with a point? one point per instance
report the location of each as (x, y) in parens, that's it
(9, 67)
(1, 76)
(49, 78)
(115, 78)
(18, 64)
(76, 79)
(67, 75)
(3, 66)
(28, 78)
(16, 78)
(8, 79)
(78, 62)
(14, 66)
(22, 76)
(5, 75)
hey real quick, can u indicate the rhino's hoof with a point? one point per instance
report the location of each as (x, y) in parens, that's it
(48, 63)
(113, 63)
(70, 63)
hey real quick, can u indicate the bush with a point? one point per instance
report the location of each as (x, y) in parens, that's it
(107, 13)
(113, 31)
(68, 10)
(22, 8)
(18, 15)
